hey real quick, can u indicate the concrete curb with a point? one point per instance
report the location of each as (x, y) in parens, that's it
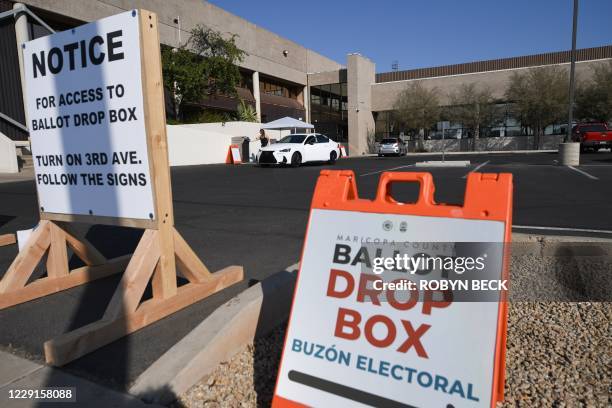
(461, 153)
(218, 338)
(446, 163)
(556, 239)
(560, 245)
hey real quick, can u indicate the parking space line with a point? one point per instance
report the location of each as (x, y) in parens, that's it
(477, 168)
(584, 173)
(528, 227)
(596, 165)
(381, 171)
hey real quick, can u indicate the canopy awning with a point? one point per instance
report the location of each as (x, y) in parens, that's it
(286, 123)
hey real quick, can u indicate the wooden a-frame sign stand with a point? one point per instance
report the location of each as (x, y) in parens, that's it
(158, 254)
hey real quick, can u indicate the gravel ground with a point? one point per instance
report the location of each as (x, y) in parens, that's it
(559, 348)
(558, 356)
(240, 382)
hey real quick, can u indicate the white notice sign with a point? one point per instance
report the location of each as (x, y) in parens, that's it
(236, 154)
(86, 120)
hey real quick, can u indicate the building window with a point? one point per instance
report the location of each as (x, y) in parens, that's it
(329, 105)
(315, 96)
(271, 87)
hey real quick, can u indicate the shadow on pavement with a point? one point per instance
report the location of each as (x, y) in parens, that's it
(270, 336)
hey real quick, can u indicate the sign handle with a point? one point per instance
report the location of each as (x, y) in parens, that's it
(426, 190)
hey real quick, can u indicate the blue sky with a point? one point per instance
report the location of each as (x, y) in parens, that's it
(424, 33)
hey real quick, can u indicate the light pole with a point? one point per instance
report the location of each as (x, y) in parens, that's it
(443, 146)
(569, 151)
(568, 135)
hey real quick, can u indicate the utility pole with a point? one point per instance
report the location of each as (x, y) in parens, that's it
(568, 135)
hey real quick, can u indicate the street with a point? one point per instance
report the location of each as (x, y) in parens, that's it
(257, 217)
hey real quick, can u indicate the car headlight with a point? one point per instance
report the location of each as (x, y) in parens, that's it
(285, 150)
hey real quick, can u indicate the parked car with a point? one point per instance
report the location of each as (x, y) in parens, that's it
(392, 146)
(300, 148)
(592, 136)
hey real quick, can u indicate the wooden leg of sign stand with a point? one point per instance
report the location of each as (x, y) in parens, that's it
(127, 313)
(18, 284)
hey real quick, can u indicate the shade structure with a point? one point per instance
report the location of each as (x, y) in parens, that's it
(286, 123)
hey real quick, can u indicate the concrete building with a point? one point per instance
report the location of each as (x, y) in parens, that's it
(348, 101)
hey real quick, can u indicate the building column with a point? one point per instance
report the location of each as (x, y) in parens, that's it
(306, 96)
(361, 74)
(256, 95)
(22, 35)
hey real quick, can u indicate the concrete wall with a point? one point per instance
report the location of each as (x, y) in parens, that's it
(265, 48)
(207, 143)
(361, 74)
(235, 129)
(385, 94)
(316, 62)
(327, 77)
(189, 146)
(8, 155)
(547, 142)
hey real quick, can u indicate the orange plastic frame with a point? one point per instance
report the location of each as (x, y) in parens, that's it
(488, 196)
(342, 151)
(229, 159)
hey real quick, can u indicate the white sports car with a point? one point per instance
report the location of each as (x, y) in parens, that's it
(299, 148)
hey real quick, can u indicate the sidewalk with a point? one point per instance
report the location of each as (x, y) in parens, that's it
(27, 174)
(17, 373)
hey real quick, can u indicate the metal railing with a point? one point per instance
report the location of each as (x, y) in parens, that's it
(9, 14)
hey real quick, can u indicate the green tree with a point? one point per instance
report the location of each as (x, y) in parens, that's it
(205, 65)
(540, 98)
(246, 112)
(594, 97)
(418, 108)
(472, 106)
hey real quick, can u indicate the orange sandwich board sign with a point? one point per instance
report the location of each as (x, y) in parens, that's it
(348, 344)
(233, 155)
(343, 151)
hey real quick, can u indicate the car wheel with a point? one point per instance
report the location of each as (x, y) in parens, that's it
(296, 159)
(332, 157)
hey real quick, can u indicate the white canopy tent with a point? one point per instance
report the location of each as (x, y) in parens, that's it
(286, 123)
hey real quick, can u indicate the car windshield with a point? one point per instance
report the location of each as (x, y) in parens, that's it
(388, 141)
(293, 139)
(593, 128)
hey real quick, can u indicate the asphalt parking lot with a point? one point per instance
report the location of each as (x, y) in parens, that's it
(257, 217)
